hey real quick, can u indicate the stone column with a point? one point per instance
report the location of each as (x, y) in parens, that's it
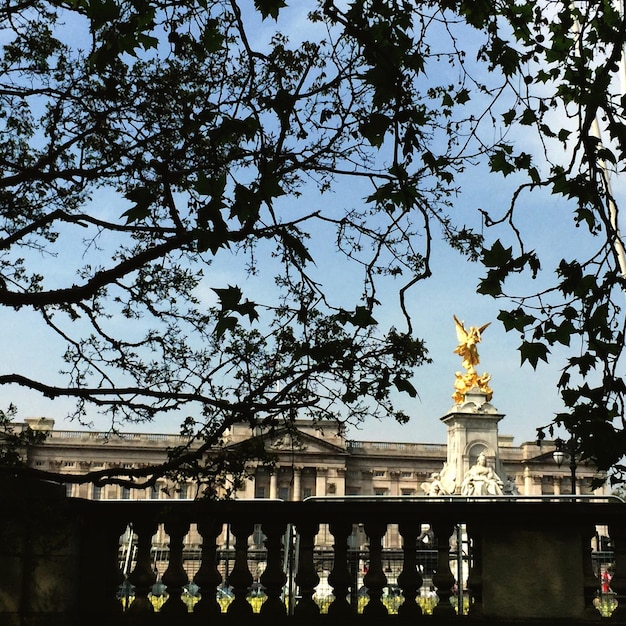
(296, 493)
(341, 481)
(274, 485)
(320, 481)
(528, 482)
(395, 483)
(249, 489)
(367, 487)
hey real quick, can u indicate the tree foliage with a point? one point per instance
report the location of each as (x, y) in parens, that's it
(154, 152)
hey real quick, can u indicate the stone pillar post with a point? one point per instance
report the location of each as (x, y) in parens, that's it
(341, 481)
(528, 482)
(320, 481)
(395, 483)
(274, 485)
(249, 488)
(296, 493)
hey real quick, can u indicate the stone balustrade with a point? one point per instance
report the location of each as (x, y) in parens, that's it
(528, 560)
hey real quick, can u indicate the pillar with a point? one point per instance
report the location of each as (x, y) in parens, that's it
(528, 482)
(341, 481)
(320, 481)
(274, 485)
(296, 493)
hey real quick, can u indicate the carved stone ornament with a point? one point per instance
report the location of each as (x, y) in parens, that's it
(287, 442)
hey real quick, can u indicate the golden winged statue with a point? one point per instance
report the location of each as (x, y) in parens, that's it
(468, 351)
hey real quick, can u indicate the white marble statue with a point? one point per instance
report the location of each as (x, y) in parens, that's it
(481, 480)
(440, 483)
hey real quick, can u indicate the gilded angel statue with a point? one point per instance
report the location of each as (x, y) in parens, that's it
(468, 342)
(468, 351)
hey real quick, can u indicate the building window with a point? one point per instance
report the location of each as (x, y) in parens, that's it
(307, 492)
(40, 463)
(154, 492)
(96, 493)
(283, 493)
(379, 473)
(125, 493)
(259, 491)
(380, 492)
(407, 492)
(69, 464)
(406, 474)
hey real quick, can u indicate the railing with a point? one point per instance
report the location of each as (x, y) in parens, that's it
(116, 437)
(519, 561)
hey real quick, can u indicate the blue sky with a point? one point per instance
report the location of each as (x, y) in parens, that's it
(528, 398)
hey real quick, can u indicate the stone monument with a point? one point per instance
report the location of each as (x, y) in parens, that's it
(473, 465)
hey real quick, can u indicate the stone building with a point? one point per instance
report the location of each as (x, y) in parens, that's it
(317, 460)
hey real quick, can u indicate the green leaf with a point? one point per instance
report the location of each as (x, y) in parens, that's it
(562, 334)
(247, 203)
(143, 199)
(533, 351)
(101, 12)
(497, 255)
(210, 186)
(402, 384)
(213, 37)
(563, 135)
(295, 245)
(508, 117)
(224, 324)
(463, 96)
(517, 319)
(528, 117)
(229, 298)
(498, 162)
(491, 284)
(269, 8)
(362, 317)
(374, 128)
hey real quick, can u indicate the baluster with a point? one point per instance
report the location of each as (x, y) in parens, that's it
(240, 579)
(340, 578)
(100, 574)
(443, 578)
(617, 533)
(143, 577)
(306, 578)
(409, 579)
(175, 576)
(273, 578)
(375, 578)
(591, 584)
(208, 576)
(475, 578)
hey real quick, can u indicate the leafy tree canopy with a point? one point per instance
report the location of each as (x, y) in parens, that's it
(148, 147)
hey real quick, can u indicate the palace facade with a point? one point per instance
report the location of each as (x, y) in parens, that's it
(316, 460)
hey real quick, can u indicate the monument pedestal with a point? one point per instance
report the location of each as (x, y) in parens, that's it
(472, 430)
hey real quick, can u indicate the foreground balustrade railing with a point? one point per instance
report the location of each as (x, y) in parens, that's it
(107, 562)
